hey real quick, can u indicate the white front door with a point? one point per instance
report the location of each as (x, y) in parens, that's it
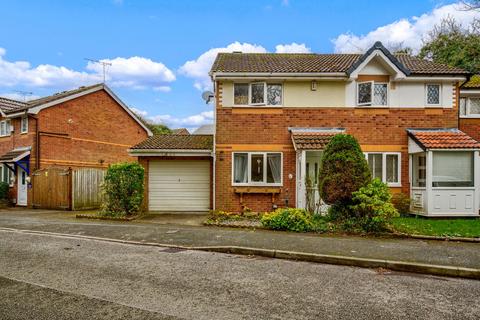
(21, 187)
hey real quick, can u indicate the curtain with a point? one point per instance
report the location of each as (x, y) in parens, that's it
(240, 167)
(452, 169)
(275, 164)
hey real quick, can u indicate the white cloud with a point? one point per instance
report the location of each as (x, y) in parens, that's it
(18, 96)
(409, 32)
(190, 122)
(198, 69)
(292, 48)
(133, 72)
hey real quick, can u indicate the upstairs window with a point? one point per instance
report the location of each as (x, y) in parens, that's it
(5, 128)
(257, 94)
(470, 107)
(432, 94)
(24, 125)
(371, 93)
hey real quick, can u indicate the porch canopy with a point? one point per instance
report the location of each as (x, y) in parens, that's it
(444, 172)
(17, 157)
(312, 138)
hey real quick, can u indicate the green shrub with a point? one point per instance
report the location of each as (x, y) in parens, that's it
(401, 202)
(372, 206)
(290, 219)
(343, 171)
(4, 190)
(123, 189)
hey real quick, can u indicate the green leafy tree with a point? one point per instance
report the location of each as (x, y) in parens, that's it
(343, 170)
(156, 128)
(123, 189)
(453, 44)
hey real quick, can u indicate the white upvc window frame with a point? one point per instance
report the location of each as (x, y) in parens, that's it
(384, 166)
(3, 167)
(24, 120)
(439, 94)
(264, 183)
(468, 114)
(372, 93)
(265, 94)
(5, 125)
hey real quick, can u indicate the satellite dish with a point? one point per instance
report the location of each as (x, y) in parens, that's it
(207, 96)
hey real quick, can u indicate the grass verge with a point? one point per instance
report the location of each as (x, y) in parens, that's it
(468, 228)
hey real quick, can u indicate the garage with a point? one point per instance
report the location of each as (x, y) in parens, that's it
(178, 172)
(179, 185)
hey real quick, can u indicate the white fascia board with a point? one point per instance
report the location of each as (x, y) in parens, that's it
(465, 92)
(435, 78)
(168, 153)
(455, 150)
(378, 53)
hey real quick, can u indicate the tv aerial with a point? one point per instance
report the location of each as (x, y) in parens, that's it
(104, 65)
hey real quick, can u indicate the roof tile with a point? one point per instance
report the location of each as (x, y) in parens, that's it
(311, 140)
(444, 139)
(176, 142)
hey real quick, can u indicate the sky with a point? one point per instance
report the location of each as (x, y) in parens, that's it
(160, 51)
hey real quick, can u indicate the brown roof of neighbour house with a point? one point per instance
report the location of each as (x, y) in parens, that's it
(473, 83)
(322, 63)
(311, 140)
(6, 105)
(16, 106)
(443, 139)
(180, 131)
(176, 142)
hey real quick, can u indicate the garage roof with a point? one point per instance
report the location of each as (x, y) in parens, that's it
(176, 142)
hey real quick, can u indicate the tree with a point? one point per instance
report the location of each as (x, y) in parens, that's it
(452, 44)
(156, 128)
(344, 170)
(471, 4)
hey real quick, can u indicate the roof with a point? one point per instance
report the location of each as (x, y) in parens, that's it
(473, 83)
(205, 129)
(176, 142)
(443, 139)
(180, 131)
(8, 105)
(322, 63)
(14, 155)
(312, 138)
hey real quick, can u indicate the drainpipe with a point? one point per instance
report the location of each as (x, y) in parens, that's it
(214, 146)
(37, 143)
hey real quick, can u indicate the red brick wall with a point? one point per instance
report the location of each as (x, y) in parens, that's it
(371, 126)
(471, 127)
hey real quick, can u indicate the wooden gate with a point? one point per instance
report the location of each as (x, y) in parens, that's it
(86, 188)
(52, 188)
(67, 189)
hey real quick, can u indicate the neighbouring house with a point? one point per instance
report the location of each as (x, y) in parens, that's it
(275, 113)
(205, 129)
(86, 127)
(180, 131)
(469, 120)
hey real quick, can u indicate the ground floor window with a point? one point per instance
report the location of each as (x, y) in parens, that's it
(452, 169)
(385, 166)
(5, 174)
(257, 168)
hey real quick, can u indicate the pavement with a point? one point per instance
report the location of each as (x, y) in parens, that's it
(45, 276)
(186, 230)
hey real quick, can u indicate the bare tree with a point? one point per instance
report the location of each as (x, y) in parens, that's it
(471, 4)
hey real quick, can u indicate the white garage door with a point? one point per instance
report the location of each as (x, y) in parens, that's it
(179, 185)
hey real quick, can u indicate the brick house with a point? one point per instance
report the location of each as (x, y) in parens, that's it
(469, 120)
(274, 114)
(86, 127)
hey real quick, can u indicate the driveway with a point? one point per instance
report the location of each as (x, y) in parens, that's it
(49, 277)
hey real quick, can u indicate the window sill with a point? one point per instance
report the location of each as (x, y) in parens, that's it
(476, 116)
(372, 107)
(394, 185)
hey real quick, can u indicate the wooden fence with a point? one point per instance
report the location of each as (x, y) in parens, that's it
(67, 189)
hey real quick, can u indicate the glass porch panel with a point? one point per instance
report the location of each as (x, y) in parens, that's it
(452, 169)
(419, 170)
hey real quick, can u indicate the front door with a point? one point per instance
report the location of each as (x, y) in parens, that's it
(21, 187)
